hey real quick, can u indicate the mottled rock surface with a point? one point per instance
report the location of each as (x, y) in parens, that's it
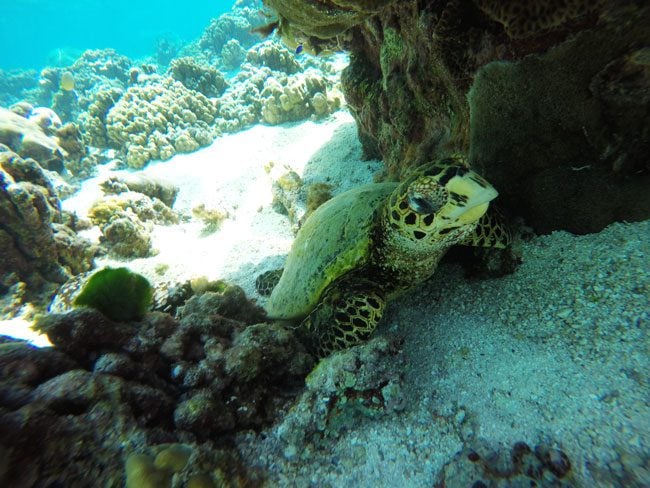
(550, 100)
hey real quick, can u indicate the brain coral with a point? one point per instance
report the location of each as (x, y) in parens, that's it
(159, 119)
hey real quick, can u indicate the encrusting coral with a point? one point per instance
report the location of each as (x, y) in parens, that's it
(515, 84)
(529, 18)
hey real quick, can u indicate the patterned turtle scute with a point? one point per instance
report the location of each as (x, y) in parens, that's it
(369, 244)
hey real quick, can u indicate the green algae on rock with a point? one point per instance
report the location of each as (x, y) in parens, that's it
(118, 293)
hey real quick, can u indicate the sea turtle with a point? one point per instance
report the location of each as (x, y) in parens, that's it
(369, 244)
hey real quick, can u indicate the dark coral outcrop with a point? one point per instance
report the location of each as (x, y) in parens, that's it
(113, 399)
(549, 98)
(35, 243)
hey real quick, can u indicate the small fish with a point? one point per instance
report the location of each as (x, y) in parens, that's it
(67, 81)
(299, 49)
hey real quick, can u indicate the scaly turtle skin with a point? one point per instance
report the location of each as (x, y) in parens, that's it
(369, 244)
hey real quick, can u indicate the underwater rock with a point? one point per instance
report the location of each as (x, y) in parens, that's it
(566, 152)
(148, 120)
(199, 77)
(322, 20)
(69, 392)
(27, 138)
(153, 187)
(24, 364)
(36, 246)
(83, 331)
(344, 388)
(552, 125)
(223, 299)
(173, 395)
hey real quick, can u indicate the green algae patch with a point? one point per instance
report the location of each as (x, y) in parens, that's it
(118, 293)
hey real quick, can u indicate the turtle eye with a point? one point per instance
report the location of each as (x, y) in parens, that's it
(423, 205)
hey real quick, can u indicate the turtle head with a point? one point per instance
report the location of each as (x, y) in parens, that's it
(440, 201)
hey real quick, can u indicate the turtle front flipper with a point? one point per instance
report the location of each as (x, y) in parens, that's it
(265, 282)
(491, 231)
(346, 315)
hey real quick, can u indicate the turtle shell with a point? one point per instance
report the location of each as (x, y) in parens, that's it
(335, 239)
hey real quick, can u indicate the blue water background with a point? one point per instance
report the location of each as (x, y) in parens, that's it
(38, 33)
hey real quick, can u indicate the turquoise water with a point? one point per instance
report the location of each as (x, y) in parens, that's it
(35, 33)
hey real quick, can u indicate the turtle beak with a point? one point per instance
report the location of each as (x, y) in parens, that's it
(469, 198)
